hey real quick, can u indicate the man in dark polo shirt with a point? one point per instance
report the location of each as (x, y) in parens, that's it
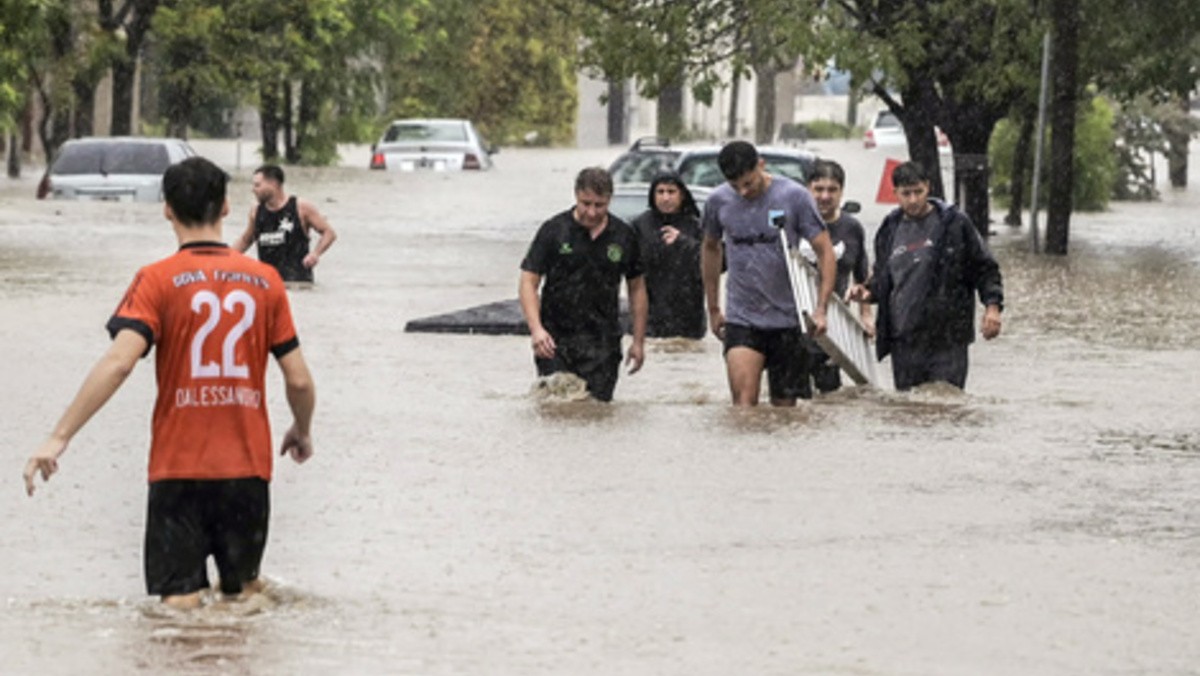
(583, 253)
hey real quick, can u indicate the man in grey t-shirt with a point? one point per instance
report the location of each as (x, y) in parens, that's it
(761, 326)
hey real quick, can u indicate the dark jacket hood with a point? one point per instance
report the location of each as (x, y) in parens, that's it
(689, 203)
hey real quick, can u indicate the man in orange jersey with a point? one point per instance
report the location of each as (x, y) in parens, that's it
(215, 316)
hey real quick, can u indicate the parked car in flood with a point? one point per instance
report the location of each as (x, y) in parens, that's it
(645, 158)
(118, 169)
(886, 130)
(698, 167)
(629, 200)
(432, 144)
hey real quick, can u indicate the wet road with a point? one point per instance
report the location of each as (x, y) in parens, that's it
(1047, 522)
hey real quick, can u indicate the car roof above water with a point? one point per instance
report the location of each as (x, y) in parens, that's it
(134, 155)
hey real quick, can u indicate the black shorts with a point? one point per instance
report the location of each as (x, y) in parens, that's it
(786, 357)
(825, 372)
(596, 360)
(187, 520)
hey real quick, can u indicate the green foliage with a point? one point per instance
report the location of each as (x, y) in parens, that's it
(708, 41)
(1095, 161)
(509, 65)
(20, 17)
(1144, 128)
(1132, 48)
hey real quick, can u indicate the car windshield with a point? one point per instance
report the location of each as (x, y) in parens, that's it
(629, 205)
(112, 158)
(640, 168)
(702, 170)
(887, 120)
(425, 131)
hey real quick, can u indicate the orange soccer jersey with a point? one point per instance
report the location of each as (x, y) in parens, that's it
(214, 316)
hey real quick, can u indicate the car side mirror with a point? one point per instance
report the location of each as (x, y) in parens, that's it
(851, 207)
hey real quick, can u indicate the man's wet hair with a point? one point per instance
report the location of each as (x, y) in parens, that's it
(594, 179)
(830, 170)
(736, 159)
(195, 191)
(271, 172)
(909, 173)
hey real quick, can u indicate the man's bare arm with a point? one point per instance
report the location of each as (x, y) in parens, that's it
(710, 272)
(527, 292)
(105, 378)
(314, 220)
(244, 240)
(302, 400)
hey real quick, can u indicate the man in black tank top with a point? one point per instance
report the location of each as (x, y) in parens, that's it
(280, 226)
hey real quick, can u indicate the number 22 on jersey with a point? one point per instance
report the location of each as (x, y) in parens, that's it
(212, 306)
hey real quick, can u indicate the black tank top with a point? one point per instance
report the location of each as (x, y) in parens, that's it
(282, 241)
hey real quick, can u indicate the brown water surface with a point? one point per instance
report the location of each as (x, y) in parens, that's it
(1047, 521)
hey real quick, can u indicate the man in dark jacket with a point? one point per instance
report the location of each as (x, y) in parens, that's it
(930, 261)
(670, 234)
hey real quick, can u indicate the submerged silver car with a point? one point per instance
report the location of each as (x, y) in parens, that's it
(118, 169)
(698, 167)
(629, 200)
(432, 144)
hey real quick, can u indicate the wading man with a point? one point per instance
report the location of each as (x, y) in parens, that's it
(213, 317)
(746, 217)
(281, 226)
(826, 183)
(930, 262)
(582, 254)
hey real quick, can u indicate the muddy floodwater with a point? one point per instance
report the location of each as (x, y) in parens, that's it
(1046, 522)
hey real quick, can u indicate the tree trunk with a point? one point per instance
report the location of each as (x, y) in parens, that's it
(85, 105)
(616, 113)
(917, 116)
(1064, 18)
(764, 103)
(54, 128)
(14, 156)
(124, 70)
(969, 125)
(852, 106)
(268, 114)
(307, 118)
(1021, 161)
(1178, 137)
(27, 127)
(735, 87)
(123, 73)
(670, 110)
(289, 133)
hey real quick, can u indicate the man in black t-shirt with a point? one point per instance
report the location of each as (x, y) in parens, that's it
(582, 253)
(280, 226)
(826, 182)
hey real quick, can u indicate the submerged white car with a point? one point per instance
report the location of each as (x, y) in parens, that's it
(117, 169)
(886, 131)
(432, 144)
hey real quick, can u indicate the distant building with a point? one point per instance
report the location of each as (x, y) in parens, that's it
(799, 98)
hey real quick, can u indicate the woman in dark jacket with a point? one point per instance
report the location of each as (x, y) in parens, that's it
(670, 235)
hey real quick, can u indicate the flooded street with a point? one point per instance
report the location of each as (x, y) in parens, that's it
(1046, 522)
